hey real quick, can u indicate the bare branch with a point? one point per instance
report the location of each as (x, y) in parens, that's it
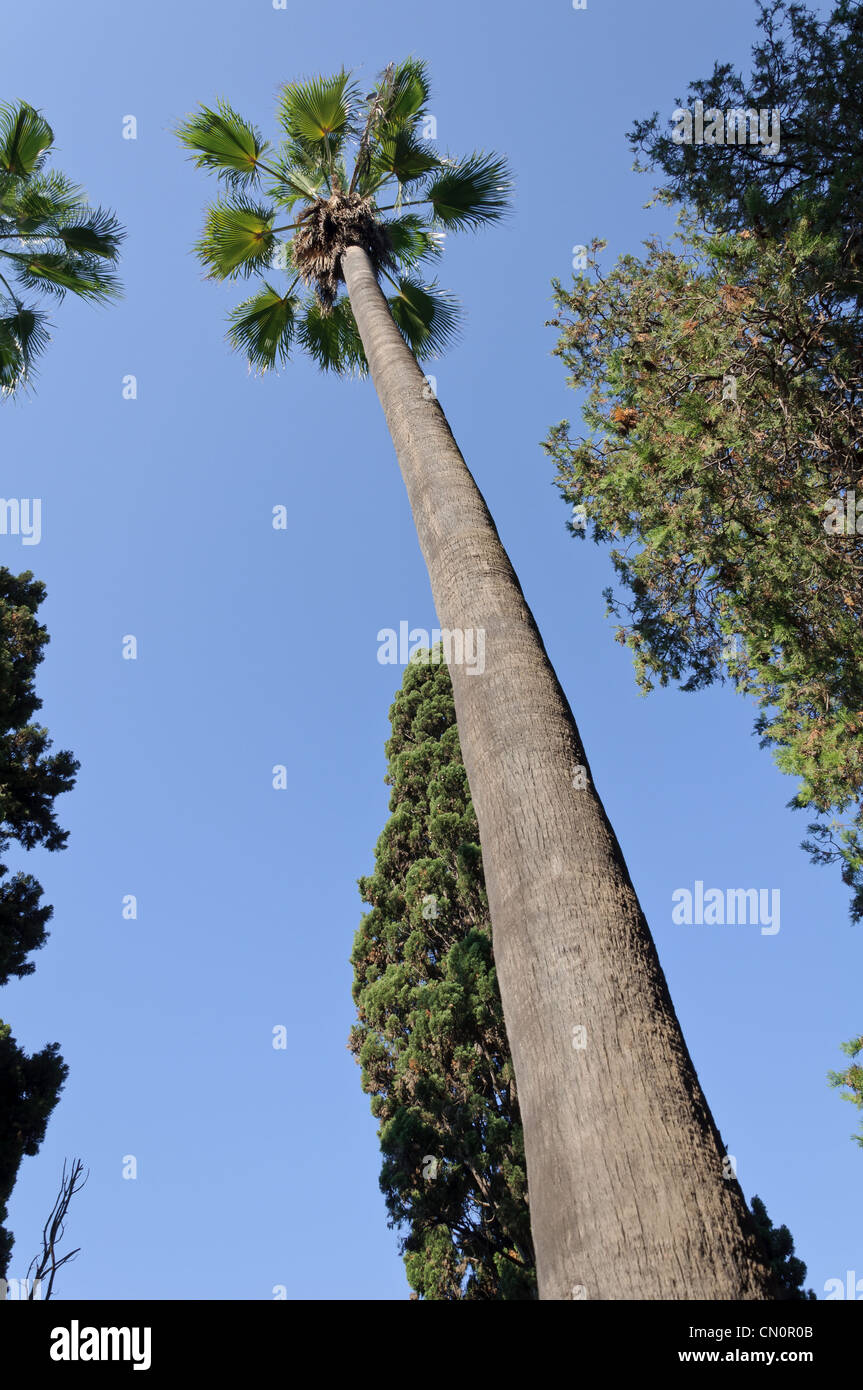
(47, 1263)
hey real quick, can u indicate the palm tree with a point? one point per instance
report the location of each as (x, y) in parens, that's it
(51, 241)
(625, 1164)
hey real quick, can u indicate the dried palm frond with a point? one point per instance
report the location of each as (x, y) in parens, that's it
(326, 229)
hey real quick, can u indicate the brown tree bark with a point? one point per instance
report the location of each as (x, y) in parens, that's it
(625, 1164)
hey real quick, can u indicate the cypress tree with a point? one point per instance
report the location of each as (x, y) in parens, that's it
(30, 778)
(430, 1035)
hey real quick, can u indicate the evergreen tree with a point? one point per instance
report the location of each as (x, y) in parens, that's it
(725, 398)
(802, 206)
(30, 1087)
(725, 405)
(30, 779)
(430, 1037)
(811, 71)
(787, 1270)
(852, 1077)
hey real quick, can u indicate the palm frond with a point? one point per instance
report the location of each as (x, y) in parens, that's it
(403, 157)
(412, 241)
(238, 238)
(24, 138)
(23, 336)
(43, 197)
(395, 106)
(59, 272)
(473, 191)
(409, 90)
(51, 241)
(333, 338)
(263, 328)
(427, 194)
(91, 231)
(221, 139)
(339, 177)
(301, 177)
(427, 317)
(319, 113)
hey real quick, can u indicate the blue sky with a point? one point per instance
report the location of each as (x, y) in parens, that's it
(256, 1167)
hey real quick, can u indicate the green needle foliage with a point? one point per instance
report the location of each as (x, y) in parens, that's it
(810, 195)
(788, 1271)
(852, 1077)
(30, 1087)
(30, 779)
(724, 395)
(51, 242)
(716, 508)
(430, 1036)
(811, 70)
(346, 169)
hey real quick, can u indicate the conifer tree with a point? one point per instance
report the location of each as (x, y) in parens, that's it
(30, 779)
(788, 1271)
(852, 1077)
(725, 408)
(801, 207)
(810, 71)
(430, 1036)
(724, 379)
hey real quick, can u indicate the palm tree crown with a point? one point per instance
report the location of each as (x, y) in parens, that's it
(51, 241)
(397, 201)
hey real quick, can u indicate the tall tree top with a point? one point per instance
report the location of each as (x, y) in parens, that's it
(811, 71)
(348, 169)
(51, 242)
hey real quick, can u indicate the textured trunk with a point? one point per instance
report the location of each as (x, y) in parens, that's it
(624, 1162)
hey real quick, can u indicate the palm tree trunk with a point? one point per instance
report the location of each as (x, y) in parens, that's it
(624, 1161)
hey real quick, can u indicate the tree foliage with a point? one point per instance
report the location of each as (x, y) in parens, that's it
(811, 71)
(788, 1272)
(724, 380)
(347, 169)
(51, 242)
(851, 1077)
(722, 513)
(724, 375)
(31, 776)
(430, 1034)
(30, 1087)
